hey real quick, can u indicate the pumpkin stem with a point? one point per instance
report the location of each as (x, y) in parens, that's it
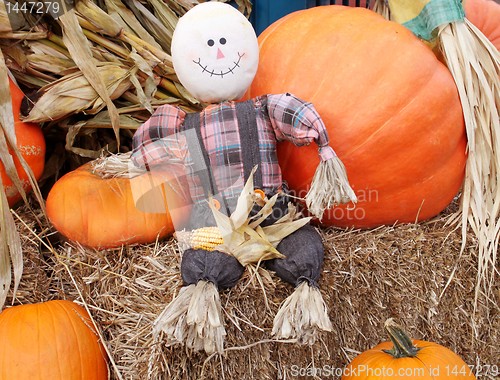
(403, 345)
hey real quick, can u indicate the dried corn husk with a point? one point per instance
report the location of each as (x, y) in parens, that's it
(116, 166)
(243, 236)
(302, 315)
(194, 318)
(79, 47)
(475, 65)
(382, 8)
(126, 18)
(73, 93)
(10, 241)
(166, 17)
(114, 32)
(50, 63)
(139, 39)
(5, 26)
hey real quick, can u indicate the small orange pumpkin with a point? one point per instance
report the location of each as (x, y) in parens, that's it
(102, 212)
(51, 340)
(404, 358)
(485, 14)
(31, 144)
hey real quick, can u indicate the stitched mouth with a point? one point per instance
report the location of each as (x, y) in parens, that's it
(221, 74)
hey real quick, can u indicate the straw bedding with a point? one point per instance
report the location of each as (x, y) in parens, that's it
(368, 276)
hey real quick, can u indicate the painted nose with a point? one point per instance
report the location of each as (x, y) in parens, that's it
(219, 54)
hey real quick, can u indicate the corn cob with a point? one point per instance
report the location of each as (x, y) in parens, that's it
(207, 238)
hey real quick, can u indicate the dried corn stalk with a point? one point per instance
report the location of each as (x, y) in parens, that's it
(131, 34)
(474, 63)
(10, 241)
(93, 36)
(73, 93)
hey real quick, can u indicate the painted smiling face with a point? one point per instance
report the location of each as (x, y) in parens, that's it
(215, 52)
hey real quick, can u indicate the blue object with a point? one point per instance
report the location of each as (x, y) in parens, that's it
(265, 12)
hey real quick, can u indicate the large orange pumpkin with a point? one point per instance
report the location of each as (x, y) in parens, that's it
(485, 14)
(52, 340)
(102, 212)
(404, 358)
(391, 108)
(31, 144)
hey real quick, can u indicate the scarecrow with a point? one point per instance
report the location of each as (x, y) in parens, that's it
(240, 209)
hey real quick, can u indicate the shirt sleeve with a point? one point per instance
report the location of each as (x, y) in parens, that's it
(158, 140)
(298, 122)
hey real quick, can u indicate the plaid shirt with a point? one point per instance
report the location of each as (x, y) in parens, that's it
(161, 140)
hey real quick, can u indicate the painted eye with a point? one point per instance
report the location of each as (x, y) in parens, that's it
(222, 41)
(210, 42)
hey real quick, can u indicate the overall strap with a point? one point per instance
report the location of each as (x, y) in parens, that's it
(199, 154)
(249, 136)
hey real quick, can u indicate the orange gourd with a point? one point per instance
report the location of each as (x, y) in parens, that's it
(485, 14)
(404, 358)
(391, 108)
(31, 144)
(101, 212)
(51, 340)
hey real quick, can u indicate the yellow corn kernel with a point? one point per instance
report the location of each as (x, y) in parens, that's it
(206, 238)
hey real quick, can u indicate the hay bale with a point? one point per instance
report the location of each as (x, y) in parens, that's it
(413, 273)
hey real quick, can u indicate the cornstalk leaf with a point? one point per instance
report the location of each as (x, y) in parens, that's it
(102, 120)
(145, 94)
(166, 16)
(245, 202)
(475, 65)
(181, 6)
(276, 232)
(224, 223)
(49, 63)
(244, 6)
(8, 140)
(104, 22)
(16, 55)
(130, 22)
(5, 270)
(7, 130)
(4, 19)
(151, 23)
(10, 249)
(79, 48)
(73, 93)
(47, 47)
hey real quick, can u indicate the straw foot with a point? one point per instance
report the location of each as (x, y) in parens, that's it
(194, 318)
(302, 316)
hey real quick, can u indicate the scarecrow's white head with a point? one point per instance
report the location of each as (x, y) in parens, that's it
(215, 52)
